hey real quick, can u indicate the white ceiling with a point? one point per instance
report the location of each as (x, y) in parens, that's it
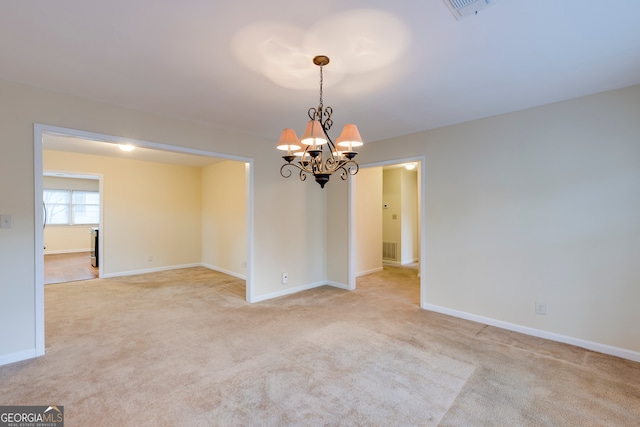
(397, 67)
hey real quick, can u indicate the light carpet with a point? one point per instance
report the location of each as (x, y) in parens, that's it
(183, 348)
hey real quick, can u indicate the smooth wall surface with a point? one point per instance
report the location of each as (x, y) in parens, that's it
(277, 241)
(224, 217)
(368, 224)
(540, 205)
(61, 239)
(409, 224)
(337, 226)
(151, 211)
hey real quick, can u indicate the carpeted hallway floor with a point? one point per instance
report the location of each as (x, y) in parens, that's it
(184, 348)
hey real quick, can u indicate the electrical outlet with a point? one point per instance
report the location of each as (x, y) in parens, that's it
(285, 278)
(541, 308)
(150, 258)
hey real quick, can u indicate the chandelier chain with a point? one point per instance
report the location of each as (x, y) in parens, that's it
(321, 81)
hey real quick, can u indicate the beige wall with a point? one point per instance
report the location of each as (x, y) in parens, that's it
(337, 227)
(151, 211)
(280, 228)
(368, 223)
(224, 218)
(409, 224)
(60, 239)
(537, 205)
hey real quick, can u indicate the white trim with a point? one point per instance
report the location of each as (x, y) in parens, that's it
(223, 271)
(150, 270)
(249, 172)
(339, 285)
(174, 267)
(351, 236)
(373, 270)
(589, 345)
(66, 251)
(288, 291)
(38, 300)
(18, 357)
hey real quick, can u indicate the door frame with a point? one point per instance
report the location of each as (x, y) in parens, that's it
(97, 176)
(420, 161)
(39, 130)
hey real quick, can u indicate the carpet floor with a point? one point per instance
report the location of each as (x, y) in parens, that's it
(183, 348)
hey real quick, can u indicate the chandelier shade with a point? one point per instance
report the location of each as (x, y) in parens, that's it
(315, 153)
(313, 134)
(288, 141)
(350, 137)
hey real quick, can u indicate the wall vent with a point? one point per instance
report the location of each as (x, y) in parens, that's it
(390, 251)
(465, 8)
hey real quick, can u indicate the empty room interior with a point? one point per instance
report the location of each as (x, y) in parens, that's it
(362, 213)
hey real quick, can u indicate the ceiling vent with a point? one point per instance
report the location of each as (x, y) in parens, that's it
(464, 8)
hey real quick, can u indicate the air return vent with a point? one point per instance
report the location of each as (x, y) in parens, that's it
(464, 8)
(390, 251)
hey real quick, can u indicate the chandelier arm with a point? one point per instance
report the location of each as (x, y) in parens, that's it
(309, 168)
(348, 168)
(332, 164)
(286, 173)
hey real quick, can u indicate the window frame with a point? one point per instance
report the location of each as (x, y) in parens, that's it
(70, 207)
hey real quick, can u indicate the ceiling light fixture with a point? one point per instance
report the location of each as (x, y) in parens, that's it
(317, 153)
(126, 147)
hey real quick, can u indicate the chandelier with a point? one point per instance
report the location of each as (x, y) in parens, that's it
(315, 153)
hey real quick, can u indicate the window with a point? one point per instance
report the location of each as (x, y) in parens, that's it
(71, 207)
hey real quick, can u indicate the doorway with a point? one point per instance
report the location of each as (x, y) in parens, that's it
(163, 220)
(369, 241)
(72, 220)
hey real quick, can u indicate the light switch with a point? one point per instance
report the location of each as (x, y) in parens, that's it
(6, 221)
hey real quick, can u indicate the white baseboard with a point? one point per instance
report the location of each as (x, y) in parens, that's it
(399, 263)
(150, 270)
(18, 357)
(287, 292)
(66, 251)
(339, 285)
(589, 345)
(222, 270)
(373, 270)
